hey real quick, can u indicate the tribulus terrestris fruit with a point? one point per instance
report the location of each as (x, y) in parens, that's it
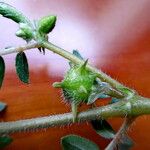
(77, 86)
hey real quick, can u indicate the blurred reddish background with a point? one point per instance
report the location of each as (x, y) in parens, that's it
(114, 35)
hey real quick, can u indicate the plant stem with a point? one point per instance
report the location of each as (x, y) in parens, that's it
(122, 131)
(119, 109)
(104, 77)
(19, 48)
(132, 107)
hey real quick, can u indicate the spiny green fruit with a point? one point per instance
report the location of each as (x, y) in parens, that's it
(77, 86)
(46, 24)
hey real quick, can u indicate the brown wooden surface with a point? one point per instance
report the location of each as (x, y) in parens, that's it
(114, 35)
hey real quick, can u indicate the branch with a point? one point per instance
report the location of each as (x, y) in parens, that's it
(137, 106)
(131, 107)
(69, 56)
(19, 48)
(104, 77)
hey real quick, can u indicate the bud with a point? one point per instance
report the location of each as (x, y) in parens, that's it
(21, 34)
(25, 32)
(46, 24)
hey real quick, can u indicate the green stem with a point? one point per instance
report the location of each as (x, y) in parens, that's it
(122, 131)
(134, 106)
(104, 77)
(137, 106)
(19, 48)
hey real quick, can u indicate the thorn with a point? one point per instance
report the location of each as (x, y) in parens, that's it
(39, 48)
(85, 63)
(43, 49)
(82, 89)
(57, 84)
(83, 67)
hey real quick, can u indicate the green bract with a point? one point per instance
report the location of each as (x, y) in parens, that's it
(46, 24)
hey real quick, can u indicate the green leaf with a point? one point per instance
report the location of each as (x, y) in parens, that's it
(5, 140)
(126, 143)
(74, 142)
(76, 53)
(103, 128)
(2, 106)
(10, 12)
(2, 70)
(46, 24)
(22, 67)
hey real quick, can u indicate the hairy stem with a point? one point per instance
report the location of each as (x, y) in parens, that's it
(104, 77)
(119, 109)
(19, 48)
(132, 107)
(122, 131)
